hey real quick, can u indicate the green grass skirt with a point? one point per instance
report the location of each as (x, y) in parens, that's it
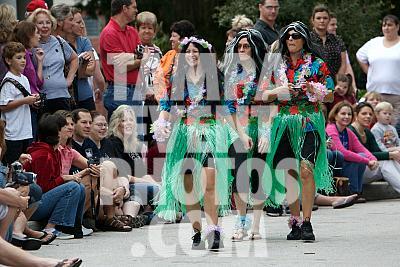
(201, 140)
(275, 186)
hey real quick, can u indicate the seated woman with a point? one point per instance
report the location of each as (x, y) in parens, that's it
(22, 234)
(126, 210)
(63, 196)
(389, 161)
(88, 176)
(356, 156)
(123, 144)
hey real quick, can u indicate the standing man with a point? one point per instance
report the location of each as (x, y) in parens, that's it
(269, 10)
(120, 61)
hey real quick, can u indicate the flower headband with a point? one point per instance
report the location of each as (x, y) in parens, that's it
(193, 39)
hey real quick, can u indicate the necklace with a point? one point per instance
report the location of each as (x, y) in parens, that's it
(191, 102)
(305, 71)
(245, 88)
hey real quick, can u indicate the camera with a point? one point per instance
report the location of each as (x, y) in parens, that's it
(41, 101)
(93, 161)
(139, 51)
(19, 177)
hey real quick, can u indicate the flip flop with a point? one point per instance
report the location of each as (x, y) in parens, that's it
(26, 243)
(346, 202)
(45, 238)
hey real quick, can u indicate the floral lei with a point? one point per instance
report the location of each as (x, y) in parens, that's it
(320, 90)
(244, 88)
(191, 103)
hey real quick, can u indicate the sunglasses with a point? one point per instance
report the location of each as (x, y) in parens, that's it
(244, 46)
(295, 36)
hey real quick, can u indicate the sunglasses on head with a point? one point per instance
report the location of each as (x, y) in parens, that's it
(295, 36)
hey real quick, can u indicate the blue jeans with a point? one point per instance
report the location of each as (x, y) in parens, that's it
(62, 205)
(3, 175)
(117, 95)
(35, 193)
(354, 171)
(335, 160)
(143, 193)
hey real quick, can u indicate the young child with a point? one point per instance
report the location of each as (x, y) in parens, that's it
(343, 91)
(373, 98)
(15, 98)
(385, 134)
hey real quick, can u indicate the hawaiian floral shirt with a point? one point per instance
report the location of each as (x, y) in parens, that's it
(319, 72)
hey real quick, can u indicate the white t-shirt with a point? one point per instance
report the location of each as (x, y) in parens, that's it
(18, 120)
(384, 66)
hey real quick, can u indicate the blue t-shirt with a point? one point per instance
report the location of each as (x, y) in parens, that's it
(85, 91)
(54, 82)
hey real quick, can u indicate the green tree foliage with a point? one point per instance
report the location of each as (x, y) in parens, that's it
(358, 20)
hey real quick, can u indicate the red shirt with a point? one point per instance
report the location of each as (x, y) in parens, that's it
(114, 39)
(46, 163)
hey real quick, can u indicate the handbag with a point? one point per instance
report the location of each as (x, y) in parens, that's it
(72, 90)
(342, 186)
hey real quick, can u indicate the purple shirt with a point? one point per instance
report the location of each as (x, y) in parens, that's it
(30, 72)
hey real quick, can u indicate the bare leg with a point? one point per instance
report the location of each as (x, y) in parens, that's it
(210, 197)
(241, 203)
(6, 222)
(131, 208)
(308, 188)
(19, 225)
(13, 256)
(257, 213)
(192, 204)
(292, 195)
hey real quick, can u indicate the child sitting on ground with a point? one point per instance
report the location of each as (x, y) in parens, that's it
(385, 134)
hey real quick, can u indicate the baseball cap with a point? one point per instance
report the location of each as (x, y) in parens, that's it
(35, 4)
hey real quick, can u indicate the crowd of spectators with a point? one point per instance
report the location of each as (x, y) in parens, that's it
(95, 160)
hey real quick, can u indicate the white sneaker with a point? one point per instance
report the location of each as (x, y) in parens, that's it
(86, 231)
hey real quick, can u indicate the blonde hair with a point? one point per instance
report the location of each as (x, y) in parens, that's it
(146, 17)
(242, 22)
(8, 21)
(372, 95)
(383, 106)
(32, 17)
(130, 142)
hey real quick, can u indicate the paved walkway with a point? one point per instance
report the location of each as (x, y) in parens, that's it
(362, 235)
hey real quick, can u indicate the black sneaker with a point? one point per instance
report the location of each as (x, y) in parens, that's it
(274, 212)
(198, 244)
(307, 231)
(295, 234)
(214, 240)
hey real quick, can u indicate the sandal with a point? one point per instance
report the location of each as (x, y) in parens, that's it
(47, 238)
(69, 263)
(138, 221)
(239, 234)
(254, 236)
(115, 225)
(125, 219)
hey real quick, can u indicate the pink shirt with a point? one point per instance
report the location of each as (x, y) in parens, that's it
(355, 146)
(68, 155)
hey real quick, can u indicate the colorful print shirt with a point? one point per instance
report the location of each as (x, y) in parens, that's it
(319, 72)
